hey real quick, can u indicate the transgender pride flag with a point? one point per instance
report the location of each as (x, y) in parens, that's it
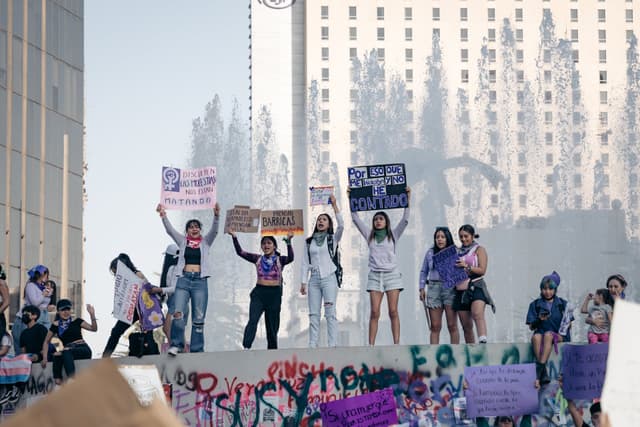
(15, 369)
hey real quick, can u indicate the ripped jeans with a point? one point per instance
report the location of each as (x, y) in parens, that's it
(323, 290)
(190, 286)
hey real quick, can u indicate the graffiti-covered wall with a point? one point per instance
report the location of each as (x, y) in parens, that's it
(287, 387)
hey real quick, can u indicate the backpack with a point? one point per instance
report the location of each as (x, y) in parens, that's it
(334, 255)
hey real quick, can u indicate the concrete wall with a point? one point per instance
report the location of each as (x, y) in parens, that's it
(240, 388)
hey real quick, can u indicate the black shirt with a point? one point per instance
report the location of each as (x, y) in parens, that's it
(32, 339)
(73, 332)
(192, 256)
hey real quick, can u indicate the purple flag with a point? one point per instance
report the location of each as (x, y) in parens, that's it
(501, 390)
(445, 264)
(377, 408)
(150, 309)
(583, 369)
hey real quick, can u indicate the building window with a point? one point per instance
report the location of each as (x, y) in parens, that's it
(604, 97)
(577, 180)
(576, 96)
(577, 160)
(410, 95)
(380, 13)
(523, 201)
(408, 14)
(325, 95)
(491, 34)
(324, 12)
(602, 36)
(492, 55)
(548, 117)
(603, 118)
(408, 55)
(380, 53)
(353, 115)
(324, 33)
(547, 97)
(548, 138)
(435, 33)
(494, 200)
(575, 54)
(491, 14)
(408, 34)
(605, 159)
(633, 180)
(628, 15)
(464, 14)
(602, 15)
(518, 15)
(520, 97)
(519, 55)
(576, 138)
(464, 34)
(353, 53)
(546, 56)
(520, 76)
(465, 138)
(435, 13)
(520, 117)
(605, 180)
(353, 33)
(325, 53)
(522, 180)
(380, 34)
(325, 116)
(493, 159)
(353, 136)
(604, 138)
(574, 15)
(492, 116)
(603, 77)
(549, 159)
(522, 159)
(547, 76)
(353, 95)
(408, 75)
(493, 97)
(522, 139)
(630, 35)
(549, 180)
(353, 14)
(602, 56)
(325, 136)
(574, 35)
(325, 74)
(519, 35)
(464, 55)
(577, 118)
(464, 76)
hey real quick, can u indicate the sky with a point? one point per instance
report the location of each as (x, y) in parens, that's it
(150, 69)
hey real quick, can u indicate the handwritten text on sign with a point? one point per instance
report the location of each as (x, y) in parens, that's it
(378, 187)
(320, 195)
(281, 222)
(501, 390)
(242, 219)
(373, 409)
(583, 370)
(126, 293)
(188, 189)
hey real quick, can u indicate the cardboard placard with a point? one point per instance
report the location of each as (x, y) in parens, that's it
(242, 219)
(583, 370)
(188, 189)
(444, 263)
(501, 390)
(145, 382)
(281, 222)
(378, 187)
(377, 408)
(319, 196)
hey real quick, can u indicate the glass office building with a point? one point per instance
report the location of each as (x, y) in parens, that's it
(41, 142)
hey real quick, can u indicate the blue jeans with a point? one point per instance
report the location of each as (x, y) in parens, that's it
(323, 289)
(190, 286)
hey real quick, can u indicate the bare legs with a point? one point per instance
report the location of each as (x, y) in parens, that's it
(375, 298)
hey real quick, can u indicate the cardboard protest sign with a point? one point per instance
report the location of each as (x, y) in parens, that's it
(188, 189)
(145, 382)
(583, 370)
(378, 187)
(377, 408)
(281, 222)
(445, 264)
(501, 390)
(150, 309)
(320, 195)
(621, 392)
(242, 219)
(125, 296)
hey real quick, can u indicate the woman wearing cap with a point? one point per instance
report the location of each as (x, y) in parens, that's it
(35, 293)
(266, 297)
(69, 331)
(194, 268)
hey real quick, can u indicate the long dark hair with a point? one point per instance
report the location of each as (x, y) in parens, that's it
(447, 235)
(192, 221)
(274, 241)
(126, 260)
(54, 291)
(606, 296)
(387, 226)
(469, 229)
(315, 228)
(169, 260)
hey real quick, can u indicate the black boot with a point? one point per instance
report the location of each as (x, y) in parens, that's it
(541, 373)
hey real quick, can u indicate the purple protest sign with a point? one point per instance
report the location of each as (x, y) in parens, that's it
(150, 309)
(501, 390)
(445, 264)
(377, 408)
(583, 370)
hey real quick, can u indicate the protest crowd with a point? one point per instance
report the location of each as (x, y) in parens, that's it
(451, 283)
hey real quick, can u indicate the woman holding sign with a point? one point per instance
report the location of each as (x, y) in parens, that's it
(323, 283)
(384, 276)
(193, 268)
(266, 297)
(436, 297)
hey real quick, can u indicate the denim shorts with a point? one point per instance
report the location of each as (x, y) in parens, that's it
(437, 296)
(383, 281)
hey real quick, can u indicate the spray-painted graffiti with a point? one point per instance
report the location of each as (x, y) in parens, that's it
(287, 387)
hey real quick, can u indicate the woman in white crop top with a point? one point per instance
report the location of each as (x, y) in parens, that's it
(318, 270)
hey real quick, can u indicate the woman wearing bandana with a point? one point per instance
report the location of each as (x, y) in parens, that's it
(194, 267)
(266, 297)
(35, 293)
(69, 330)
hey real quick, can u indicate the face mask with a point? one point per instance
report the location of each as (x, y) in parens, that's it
(26, 318)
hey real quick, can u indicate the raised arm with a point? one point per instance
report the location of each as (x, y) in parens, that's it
(213, 232)
(404, 221)
(252, 258)
(172, 232)
(585, 304)
(337, 235)
(93, 327)
(284, 260)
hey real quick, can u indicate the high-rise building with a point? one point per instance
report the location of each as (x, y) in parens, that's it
(507, 113)
(41, 142)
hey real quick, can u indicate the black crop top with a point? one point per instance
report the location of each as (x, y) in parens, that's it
(73, 333)
(192, 256)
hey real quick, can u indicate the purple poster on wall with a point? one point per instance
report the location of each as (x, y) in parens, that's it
(377, 408)
(501, 390)
(583, 369)
(445, 264)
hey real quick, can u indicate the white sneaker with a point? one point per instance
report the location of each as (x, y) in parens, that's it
(173, 351)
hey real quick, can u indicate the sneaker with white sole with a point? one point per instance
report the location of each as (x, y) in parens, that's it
(173, 351)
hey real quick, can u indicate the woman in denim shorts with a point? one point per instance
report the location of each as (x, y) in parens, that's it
(435, 297)
(384, 277)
